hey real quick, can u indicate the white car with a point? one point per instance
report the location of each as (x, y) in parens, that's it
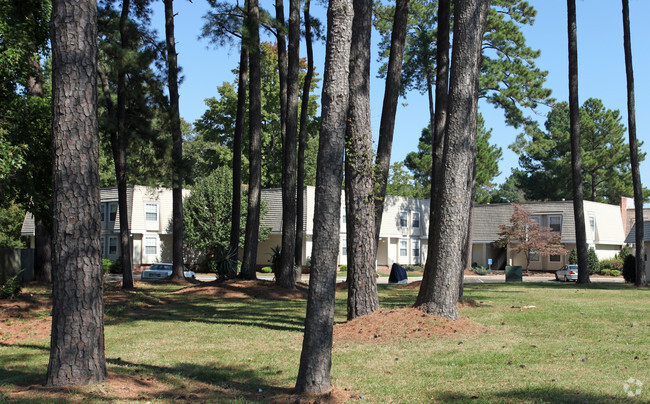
(567, 273)
(162, 271)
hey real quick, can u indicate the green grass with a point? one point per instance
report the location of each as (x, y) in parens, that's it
(578, 344)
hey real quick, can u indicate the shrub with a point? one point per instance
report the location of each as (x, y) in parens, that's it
(625, 251)
(481, 270)
(413, 268)
(343, 268)
(592, 258)
(276, 254)
(606, 271)
(11, 287)
(221, 263)
(611, 264)
(266, 270)
(573, 257)
(614, 272)
(629, 269)
(107, 265)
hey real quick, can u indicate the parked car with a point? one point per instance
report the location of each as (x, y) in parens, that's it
(162, 271)
(567, 273)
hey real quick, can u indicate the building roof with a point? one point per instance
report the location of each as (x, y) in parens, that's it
(631, 237)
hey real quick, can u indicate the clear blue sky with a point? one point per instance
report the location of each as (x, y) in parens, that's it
(601, 68)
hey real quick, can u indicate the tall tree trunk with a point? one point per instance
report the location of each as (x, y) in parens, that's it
(453, 206)
(282, 66)
(255, 151)
(178, 270)
(634, 149)
(286, 275)
(43, 252)
(576, 158)
(302, 140)
(389, 108)
(316, 355)
(77, 343)
(359, 204)
(119, 153)
(437, 139)
(237, 146)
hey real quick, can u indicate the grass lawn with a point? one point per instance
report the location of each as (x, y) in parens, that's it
(576, 345)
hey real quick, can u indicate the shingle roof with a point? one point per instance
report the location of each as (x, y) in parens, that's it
(631, 237)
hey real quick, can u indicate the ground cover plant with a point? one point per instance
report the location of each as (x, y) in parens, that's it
(240, 341)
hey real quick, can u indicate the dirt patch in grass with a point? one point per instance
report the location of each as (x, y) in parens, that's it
(386, 326)
(121, 387)
(241, 289)
(24, 317)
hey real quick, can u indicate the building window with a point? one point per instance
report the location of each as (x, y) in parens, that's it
(536, 219)
(112, 246)
(555, 223)
(416, 248)
(415, 220)
(112, 211)
(151, 245)
(343, 217)
(403, 219)
(344, 247)
(151, 212)
(534, 257)
(102, 211)
(554, 258)
(592, 224)
(403, 248)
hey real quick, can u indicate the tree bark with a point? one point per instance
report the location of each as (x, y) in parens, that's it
(389, 108)
(255, 148)
(237, 146)
(119, 153)
(77, 343)
(438, 127)
(178, 269)
(286, 276)
(359, 198)
(302, 140)
(576, 158)
(282, 66)
(453, 205)
(634, 150)
(316, 355)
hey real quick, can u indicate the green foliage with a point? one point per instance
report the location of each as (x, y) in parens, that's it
(614, 272)
(610, 272)
(276, 254)
(221, 262)
(11, 287)
(266, 270)
(545, 158)
(11, 220)
(400, 183)
(107, 265)
(573, 257)
(625, 251)
(629, 269)
(592, 259)
(343, 268)
(487, 164)
(481, 270)
(215, 129)
(611, 264)
(411, 268)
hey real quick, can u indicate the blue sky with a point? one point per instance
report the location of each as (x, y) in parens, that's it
(600, 61)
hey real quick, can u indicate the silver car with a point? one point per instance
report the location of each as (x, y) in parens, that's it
(162, 271)
(567, 273)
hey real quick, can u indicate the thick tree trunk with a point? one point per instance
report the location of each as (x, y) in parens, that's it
(77, 343)
(359, 198)
(237, 146)
(316, 355)
(119, 154)
(255, 150)
(43, 252)
(302, 140)
(286, 277)
(453, 206)
(282, 66)
(177, 148)
(389, 108)
(437, 138)
(576, 158)
(634, 150)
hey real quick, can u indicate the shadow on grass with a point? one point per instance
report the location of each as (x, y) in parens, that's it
(542, 394)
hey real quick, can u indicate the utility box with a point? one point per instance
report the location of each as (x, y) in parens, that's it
(514, 273)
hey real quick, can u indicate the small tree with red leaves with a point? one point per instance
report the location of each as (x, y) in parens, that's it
(526, 235)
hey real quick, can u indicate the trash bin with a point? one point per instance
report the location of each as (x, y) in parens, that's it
(397, 275)
(514, 273)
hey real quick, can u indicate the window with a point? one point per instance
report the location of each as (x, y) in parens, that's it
(554, 258)
(343, 217)
(151, 245)
(112, 211)
(102, 211)
(112, 246)
(415, 220)
(403, 248)
(536, 219)
(592, 223)
(534, 257)
(416, 248)
(403, 219)
(555, 223)
(344, 247)
(151, 212)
